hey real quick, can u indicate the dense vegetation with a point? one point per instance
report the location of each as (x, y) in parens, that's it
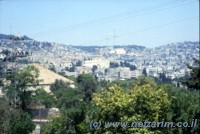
(118, 101)
(193, 82)
(16, 87)
(136, 100)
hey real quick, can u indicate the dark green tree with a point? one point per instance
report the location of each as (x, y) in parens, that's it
(144, 72)
(18, 86)
(59, 125)
(193, 82)
(79, 63)
(70, 102)
(114, 65)
(58, 84)
(1, 84)
(94, 68)
(132, 67)
(21, 124)
(6, 114)
(72, 112)
(87, 84)
(163, 78)
(41, 96)
(1, 70)
(70, 69)
(183, 108)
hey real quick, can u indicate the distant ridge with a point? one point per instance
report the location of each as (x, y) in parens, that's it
(93, 48)
(3, 36)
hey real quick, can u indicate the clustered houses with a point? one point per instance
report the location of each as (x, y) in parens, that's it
(128, 61)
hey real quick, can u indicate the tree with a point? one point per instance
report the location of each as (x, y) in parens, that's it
(70, 69)
(143, 102)
(114, 65)
(14, 121)
(145, 80)
(144, 72)
(79, 63)
(121, 63)
(87, 84)
(183, 108)
(125, 85)
(1, 84)
(21, 124)
(59, 125)
(6, 114)
(43, 97)
(73, 104)
(68, 98)
(126, 64)
(53, 127)
(133, 67)
(163, 78)
(94, 68)
(18, 85)
(72, 111)
(58, 84)
(70, 102)
(193, 82)
(1, 71)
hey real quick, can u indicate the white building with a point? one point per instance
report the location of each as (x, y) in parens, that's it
(125, 73)
(136, 73)
(99, 62)
(118, 51)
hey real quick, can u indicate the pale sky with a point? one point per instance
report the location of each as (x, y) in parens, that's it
(149, 23)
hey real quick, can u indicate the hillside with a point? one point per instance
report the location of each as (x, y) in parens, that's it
(4, 36)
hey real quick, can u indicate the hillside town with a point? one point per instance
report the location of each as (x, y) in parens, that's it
(99, 67)
(106, 62)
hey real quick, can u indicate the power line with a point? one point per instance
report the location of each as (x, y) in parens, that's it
(146, 29)
(162, 25)
(145, 11)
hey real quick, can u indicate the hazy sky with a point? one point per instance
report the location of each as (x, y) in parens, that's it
(102, 22)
